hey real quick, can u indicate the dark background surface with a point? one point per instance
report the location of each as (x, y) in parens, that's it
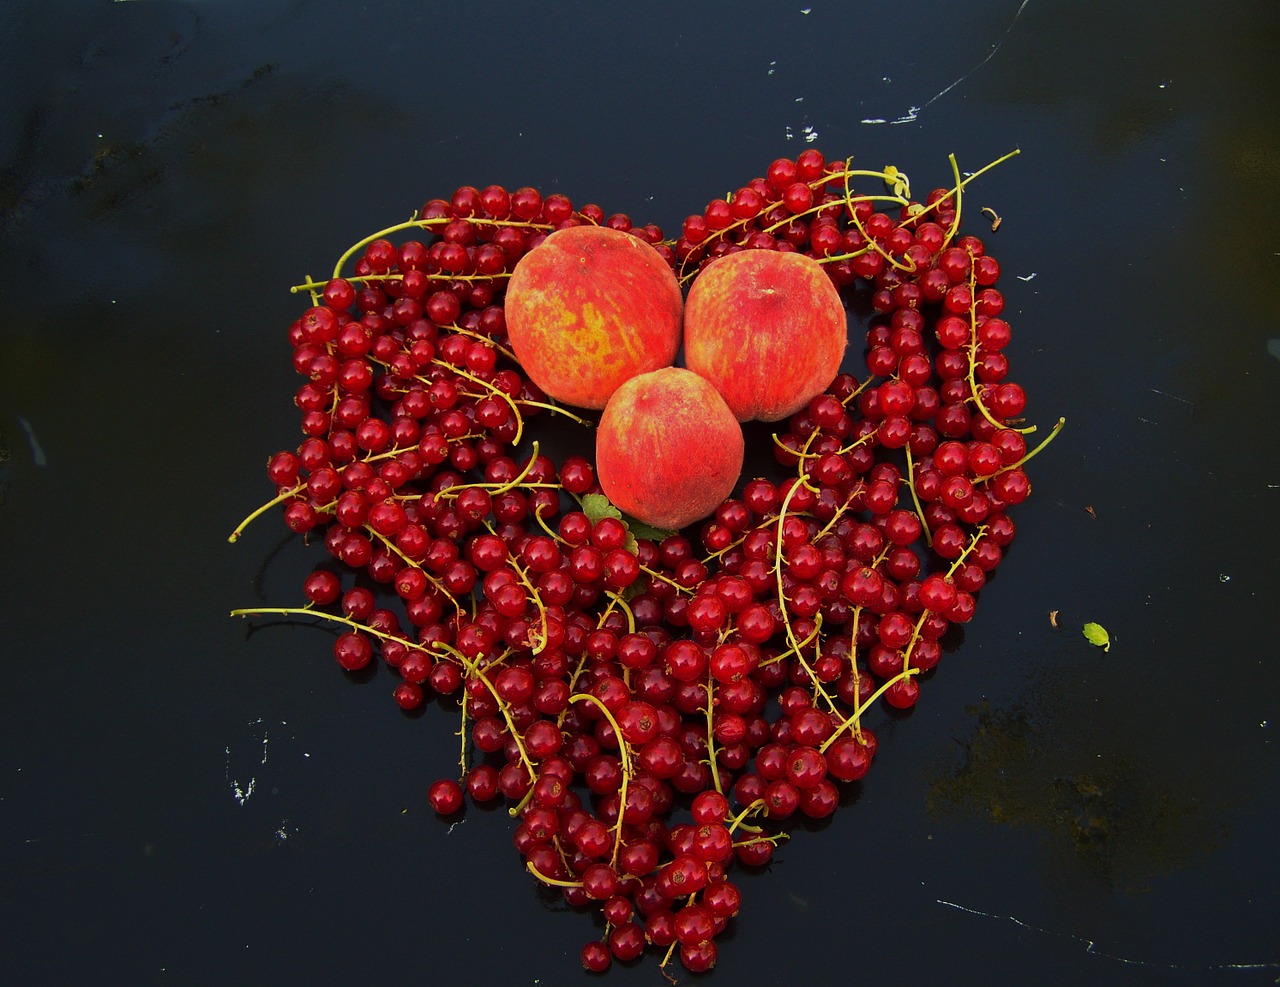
(184, 801)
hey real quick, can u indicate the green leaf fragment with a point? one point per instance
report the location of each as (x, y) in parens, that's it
(596, 506)
(1097, 634)
(642, 530)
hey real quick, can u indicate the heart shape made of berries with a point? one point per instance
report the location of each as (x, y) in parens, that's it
(654, 706)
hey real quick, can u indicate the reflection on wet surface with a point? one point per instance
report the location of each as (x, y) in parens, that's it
(1022, 765)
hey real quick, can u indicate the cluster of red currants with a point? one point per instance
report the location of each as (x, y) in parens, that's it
(609, 677)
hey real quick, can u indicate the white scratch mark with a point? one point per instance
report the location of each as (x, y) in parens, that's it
(1029, 277)
(1090, 945)
(807, 132)
(914, 111)
(37, 453)
(912, 114)
(1147, 420)
(1165, 394)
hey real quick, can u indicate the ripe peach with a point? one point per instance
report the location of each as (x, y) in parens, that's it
(668, 449)
(767, 328)
(590, 307)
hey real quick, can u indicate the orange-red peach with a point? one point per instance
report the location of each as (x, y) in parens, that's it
(767, 328)
(590, 307)
(668, 449)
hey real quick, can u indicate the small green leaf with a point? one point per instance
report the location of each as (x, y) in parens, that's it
(1097, 634)
(642, 530)
(596, 506)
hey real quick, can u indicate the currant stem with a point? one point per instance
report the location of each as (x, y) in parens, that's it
(616, 598)
(915, 498)
(854, 491)
(279, 499)
(313, 285)
(537, 599)
(852, 720)
(473, 668)
(552, 881)
(973, 353)
(557, 410)
(740, 818)
(711, 737)
(498, 488)
(625, 756)
(1053, 434)
(424, 224)
(392, 547)
(973, 541)
(498, 392)
(312, 612)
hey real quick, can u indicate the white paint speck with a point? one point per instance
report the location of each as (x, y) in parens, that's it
(241, 792)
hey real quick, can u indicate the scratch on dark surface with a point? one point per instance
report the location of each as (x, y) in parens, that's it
(37, 452)
(1165, 394)
(914, 112)
(1090, 945)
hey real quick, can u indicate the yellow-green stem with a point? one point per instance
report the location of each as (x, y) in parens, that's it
(553, 881)
(915, 499)
(852, 720)
(625, 756)
(711, 734)
(1053, 434)
(279, 499)
(423, 224)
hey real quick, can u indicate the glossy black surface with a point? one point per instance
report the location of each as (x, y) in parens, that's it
(184, 800)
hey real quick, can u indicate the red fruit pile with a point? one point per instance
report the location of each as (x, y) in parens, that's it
(654, 707)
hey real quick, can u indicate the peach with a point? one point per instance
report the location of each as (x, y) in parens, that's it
(668, 449)
(590, 307)
(767, 328)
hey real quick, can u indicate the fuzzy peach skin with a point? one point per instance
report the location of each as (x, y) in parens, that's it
(668, 449)
(590, 307)
(767, 328)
